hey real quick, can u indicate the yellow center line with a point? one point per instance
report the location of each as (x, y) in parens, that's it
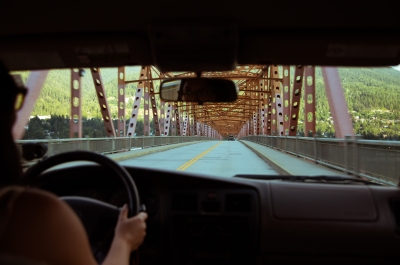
(193, 160)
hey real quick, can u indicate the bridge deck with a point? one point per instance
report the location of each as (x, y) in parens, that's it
(287, 164)
(216, 158)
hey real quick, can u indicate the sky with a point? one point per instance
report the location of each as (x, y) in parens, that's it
(397, 67)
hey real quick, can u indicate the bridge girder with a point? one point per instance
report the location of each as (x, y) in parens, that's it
(263, 107)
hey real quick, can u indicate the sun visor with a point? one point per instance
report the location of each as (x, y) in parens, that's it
(194, 46)
(345, 47)
(76, 51)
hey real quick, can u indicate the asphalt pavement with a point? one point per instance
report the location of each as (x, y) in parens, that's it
(217, 158)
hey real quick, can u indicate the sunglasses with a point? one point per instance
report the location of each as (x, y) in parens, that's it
(20, 98)
(20, 93)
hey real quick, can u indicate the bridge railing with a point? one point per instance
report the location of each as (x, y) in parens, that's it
(111, 145)
(378, 160)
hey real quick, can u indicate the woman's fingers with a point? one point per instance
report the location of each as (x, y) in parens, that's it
(142, 215)
(123, 214)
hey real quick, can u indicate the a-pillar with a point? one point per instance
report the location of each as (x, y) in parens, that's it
(34, 84)
(337, 102)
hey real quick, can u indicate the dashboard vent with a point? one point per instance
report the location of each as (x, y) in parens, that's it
(184, 202)
(238, 203)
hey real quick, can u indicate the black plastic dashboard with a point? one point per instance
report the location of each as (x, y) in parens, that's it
(196, 219)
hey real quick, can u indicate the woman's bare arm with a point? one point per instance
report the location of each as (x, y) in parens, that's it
(44, 228)
(129, 235)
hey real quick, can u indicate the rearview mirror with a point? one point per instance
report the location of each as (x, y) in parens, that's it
(198, 90)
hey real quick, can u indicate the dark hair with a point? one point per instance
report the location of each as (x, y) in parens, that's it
(8, 90)
(10, 167)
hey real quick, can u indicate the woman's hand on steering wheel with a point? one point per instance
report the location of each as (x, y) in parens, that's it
(130, 231)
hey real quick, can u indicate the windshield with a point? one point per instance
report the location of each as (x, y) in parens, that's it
(118, 112)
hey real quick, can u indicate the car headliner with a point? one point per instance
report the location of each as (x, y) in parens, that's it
(283, 32)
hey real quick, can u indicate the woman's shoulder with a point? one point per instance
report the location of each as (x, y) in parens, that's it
(38, 204)
(40, 207)
(18, 196)
(45, 228)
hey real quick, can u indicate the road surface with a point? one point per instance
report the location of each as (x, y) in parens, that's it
(217, 158)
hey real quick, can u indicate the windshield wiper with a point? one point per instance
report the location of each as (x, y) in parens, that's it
(310, 179)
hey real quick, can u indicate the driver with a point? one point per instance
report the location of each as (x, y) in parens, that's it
(34, 224)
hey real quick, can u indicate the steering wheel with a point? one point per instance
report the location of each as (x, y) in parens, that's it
(99, 218)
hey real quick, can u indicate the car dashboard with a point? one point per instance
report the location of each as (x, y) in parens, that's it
(195, 219)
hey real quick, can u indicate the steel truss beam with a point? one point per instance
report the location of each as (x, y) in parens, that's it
(286, 99)
(274, 87)
(102, 99)
(136, 104)
(121, 102)
(146, 96)
(278, 102)
(75, 122)
(296, 96)
(219, 77)
(266, 103)
(177, 121)
(309, 100)
(167, 120)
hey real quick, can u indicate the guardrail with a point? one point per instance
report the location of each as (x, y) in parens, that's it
(377, 160)
(111, 145)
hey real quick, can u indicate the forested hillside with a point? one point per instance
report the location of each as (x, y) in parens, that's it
(55, 95)
(373, 96)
